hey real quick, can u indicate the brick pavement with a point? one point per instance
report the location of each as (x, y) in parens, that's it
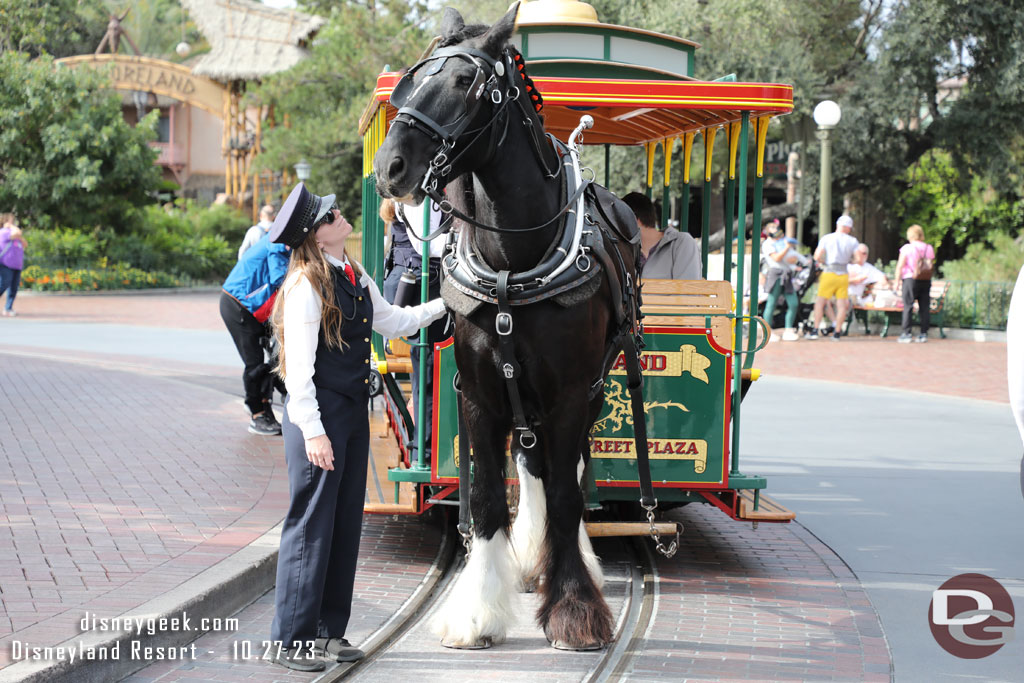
(735, 604)
(771, 604)
(187, 310)
(951, 367)
(394, 557)
(112, 492)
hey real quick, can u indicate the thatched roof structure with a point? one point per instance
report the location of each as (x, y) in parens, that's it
(249, 39)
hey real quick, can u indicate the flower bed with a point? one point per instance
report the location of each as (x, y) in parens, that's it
(116, 276)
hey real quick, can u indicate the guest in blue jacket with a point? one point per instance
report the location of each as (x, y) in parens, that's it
(245, 304)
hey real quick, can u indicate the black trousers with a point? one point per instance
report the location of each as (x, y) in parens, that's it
(919, 290)
(316, 567)
(248, 334)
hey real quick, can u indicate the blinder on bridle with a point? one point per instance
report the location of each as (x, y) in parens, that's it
(487, 73)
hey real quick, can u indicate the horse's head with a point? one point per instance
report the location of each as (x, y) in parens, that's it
(445, 105)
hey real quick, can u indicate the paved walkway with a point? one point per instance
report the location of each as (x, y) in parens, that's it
(115, 487)
(112, 494)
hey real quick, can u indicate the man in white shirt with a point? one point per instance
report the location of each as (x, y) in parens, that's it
(862, 274)
(253, 234)
(834, 252)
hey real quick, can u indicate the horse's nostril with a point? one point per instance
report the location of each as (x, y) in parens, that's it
(396, 167)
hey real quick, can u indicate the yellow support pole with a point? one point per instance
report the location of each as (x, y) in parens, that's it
(687, 152)
(709, 150)
(650, 147)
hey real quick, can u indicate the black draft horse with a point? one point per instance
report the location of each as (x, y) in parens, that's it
(470, 130)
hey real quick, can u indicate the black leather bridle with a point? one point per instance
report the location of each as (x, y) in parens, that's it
(493, 81)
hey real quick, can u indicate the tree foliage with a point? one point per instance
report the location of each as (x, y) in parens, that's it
(324, 95)
(67, 156)
(58, 27)
(955, 218)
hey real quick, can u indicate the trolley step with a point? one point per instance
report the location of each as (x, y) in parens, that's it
(384, 496)
(768, 510)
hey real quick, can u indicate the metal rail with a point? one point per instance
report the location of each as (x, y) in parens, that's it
(614, 663)
(412, 612)
(614, 666)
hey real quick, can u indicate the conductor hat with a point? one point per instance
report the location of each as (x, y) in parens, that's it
(298, 216)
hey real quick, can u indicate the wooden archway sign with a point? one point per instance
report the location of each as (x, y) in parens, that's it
(239, 144)
(156, 76)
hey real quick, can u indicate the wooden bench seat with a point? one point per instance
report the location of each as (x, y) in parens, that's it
(939, 289)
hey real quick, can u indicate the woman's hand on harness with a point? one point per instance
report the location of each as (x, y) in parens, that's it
(319, 452)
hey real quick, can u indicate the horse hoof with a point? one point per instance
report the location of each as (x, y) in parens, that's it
(562, 645)
(481, 644)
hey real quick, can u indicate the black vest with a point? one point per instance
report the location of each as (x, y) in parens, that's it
(347, 370)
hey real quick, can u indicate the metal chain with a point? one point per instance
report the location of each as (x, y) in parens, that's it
(467, 539)
(656, 537)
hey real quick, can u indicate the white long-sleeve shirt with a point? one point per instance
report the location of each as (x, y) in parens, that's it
(252, 236)
(302, 335)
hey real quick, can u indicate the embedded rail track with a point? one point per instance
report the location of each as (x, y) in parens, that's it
(406, 644)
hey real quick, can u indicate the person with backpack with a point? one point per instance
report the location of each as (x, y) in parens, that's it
(914, 269)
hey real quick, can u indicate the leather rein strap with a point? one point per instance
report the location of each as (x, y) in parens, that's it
(510, 368)
(626, 307)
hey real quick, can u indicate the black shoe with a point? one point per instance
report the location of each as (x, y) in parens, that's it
(337, 649)
(264, 424)
(299, 660)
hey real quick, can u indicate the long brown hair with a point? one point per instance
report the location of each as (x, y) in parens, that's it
(308, 260)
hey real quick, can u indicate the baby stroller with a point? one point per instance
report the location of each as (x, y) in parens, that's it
(803, 279)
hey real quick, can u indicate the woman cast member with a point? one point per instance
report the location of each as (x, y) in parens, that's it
(323, 319)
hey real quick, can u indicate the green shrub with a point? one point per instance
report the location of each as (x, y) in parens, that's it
(996, 259)
(182, 242)
(64, 247)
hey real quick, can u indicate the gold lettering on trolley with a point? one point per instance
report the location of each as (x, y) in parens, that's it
(658, 449)
(455, 450)
(669, 363)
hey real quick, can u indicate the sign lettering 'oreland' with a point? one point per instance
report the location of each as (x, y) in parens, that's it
(147, 77)
(157, 76)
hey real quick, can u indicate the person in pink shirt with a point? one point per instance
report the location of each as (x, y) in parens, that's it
(12, 260)
(917, 282)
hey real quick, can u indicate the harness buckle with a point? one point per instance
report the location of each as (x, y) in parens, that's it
(527, 439)
(583, 263)
(503, 324)
(508, 371)
(496, 96)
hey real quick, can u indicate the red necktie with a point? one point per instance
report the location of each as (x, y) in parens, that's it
(351, 274)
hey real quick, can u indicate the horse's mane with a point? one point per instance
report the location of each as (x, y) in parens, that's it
(460, 193)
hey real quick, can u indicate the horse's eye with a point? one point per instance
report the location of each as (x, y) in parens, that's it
(464, 81)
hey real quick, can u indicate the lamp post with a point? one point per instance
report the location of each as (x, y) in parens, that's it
(826, 115)
(302, 170)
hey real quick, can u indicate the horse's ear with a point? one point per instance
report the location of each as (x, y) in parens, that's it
(451, 23)
(497, 35)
